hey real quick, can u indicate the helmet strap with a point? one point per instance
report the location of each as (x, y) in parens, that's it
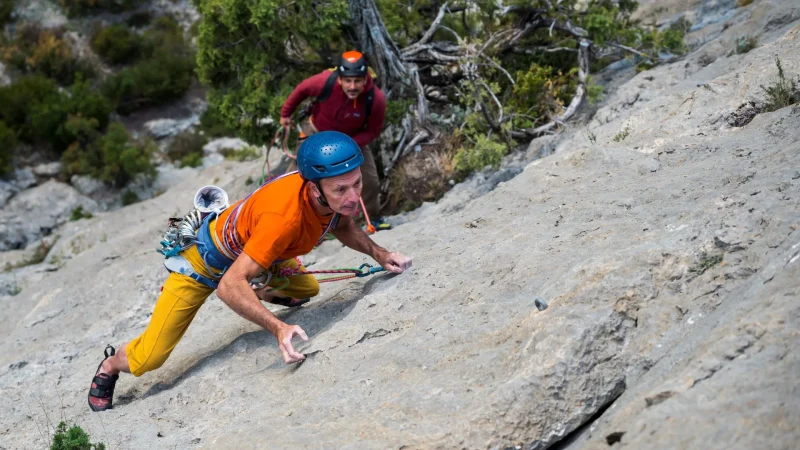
(321, 199)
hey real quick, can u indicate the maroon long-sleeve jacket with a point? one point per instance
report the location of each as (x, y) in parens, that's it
(338, 113)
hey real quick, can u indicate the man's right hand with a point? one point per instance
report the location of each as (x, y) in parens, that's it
(284, 336)
(286, 122)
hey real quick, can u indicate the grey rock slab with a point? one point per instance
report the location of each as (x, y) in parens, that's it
(37, 212)
(454, 353)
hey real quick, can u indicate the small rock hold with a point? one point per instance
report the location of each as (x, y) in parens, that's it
(18, 365)
(649, 166)
(541, 305)
(160, 434)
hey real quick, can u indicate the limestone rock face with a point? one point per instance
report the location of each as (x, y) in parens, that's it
(669, 260)
(36, 212)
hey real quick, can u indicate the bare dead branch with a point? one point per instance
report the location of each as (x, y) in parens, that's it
(580, 91)
(422, 104)
(497, 102)
(431, 30)
(400, 152)
(534, 50)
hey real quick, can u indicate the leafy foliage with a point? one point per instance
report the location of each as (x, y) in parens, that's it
(39, 112)
(8, 141)
(47, 52)
(117, 44)
(485, 151)
(115, 158)
(186, 149)
(782, 90)
(79, 213)
(6, 9)
(253, 52)
(73, 438)
(163, 73)
(80, 7)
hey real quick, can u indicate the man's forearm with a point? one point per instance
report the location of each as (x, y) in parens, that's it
(238, 295)
(354, 237)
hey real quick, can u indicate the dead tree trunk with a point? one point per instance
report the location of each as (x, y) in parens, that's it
(377, 44)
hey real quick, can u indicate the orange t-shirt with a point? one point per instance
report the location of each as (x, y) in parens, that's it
(277, 222)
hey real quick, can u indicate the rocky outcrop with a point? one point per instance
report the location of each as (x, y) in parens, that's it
(668, 257)
(36, 212)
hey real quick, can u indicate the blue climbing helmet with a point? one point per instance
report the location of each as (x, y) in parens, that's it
(328, 154)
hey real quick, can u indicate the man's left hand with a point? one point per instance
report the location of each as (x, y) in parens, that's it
(394, 262)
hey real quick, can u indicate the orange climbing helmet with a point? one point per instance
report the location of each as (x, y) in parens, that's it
(352, 64)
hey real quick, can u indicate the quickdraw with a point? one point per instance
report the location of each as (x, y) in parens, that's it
(283, 275)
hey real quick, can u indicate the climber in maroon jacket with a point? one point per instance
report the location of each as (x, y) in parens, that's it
(347, 101)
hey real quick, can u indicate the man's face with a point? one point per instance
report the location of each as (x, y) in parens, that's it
(343, 192)
(352, 86)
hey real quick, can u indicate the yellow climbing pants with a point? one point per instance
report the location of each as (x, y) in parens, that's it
(181, 297)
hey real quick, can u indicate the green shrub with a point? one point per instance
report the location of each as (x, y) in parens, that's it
(744, 44)
(186, 149)
(163, 73)
(73, 438)
(129, 197)
(484, 152)
(78, 214)
(32, 107)
(117, 44)
(139, 19)
(782, 91)
(6, 8)
(8, 140)
(213, 124)
(38, 112)
(47, 52)
(241, 155)
(115, 158)
(622, 134)
(80, 7)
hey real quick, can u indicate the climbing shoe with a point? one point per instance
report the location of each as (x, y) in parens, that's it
(102, 387)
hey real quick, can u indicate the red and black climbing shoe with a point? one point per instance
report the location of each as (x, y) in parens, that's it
(101, 392)
(290, 302)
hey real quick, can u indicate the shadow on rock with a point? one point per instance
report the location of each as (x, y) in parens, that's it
(315, 320)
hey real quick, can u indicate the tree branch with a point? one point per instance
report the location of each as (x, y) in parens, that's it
(431, 30)
(580, 91)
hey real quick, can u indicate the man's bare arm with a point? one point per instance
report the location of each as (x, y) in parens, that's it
(235, 291)
(351, 235)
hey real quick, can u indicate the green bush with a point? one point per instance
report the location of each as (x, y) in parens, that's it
(80, 7)
(79, 213)
(38, 111)
(8, 140)
(139, 19)
(73, 438)
(186, 149)
(115, 158)
(129, 197)
(782, 91)
(117, 44)
(244, 154)
(744, 44)
(47, 52)
(32, 107)
(6, 8)
(484, 152)
(163, 73)
(212, 124)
